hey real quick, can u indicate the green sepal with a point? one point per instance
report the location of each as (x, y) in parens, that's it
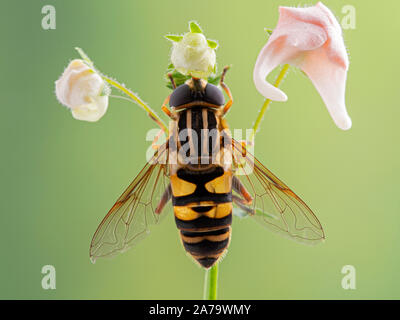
(180, 78)
(173, 37)
(212, 44)
(194, 27)
(214, 79)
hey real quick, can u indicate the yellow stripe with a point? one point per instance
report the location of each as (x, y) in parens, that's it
(181, 187)
(222, 184)
(185, 213)
(222, 210)
(216, 212)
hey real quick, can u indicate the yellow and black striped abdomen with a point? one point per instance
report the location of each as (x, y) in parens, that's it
(206, 247)
(203, 212)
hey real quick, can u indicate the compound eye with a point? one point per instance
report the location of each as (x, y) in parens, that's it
(180, 96)
(214, 95)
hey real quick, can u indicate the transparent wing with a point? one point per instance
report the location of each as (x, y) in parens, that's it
(274, 205)
(128, 220)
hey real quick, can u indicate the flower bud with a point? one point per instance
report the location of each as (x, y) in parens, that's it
(193, 56)
(81, 89)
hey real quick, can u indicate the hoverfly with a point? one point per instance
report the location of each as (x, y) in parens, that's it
(202, 192)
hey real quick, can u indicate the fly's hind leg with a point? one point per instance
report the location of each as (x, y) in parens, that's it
(237, 186)
(164, 199)
(240, 203)
(245, 199)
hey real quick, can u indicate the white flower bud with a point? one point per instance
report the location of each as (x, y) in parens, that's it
(81, 89)
(193, 56)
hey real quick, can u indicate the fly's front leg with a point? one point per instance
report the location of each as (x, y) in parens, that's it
(227, 91)
(164, 107)
(164, 199)
(154, 143)
(168, 112)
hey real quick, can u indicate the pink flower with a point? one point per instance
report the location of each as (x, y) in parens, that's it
(311, 39)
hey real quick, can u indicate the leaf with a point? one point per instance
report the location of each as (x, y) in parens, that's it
(173, 37)
(194, 27)
(212, 44)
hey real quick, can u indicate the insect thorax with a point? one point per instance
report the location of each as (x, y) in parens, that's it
(198, 133)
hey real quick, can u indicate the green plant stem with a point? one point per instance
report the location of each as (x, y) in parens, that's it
(211, 283)
(260, 116)
(137, 100)
(133, 97)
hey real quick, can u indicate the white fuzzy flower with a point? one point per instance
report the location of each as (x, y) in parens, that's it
(193, 55)
(81, 89)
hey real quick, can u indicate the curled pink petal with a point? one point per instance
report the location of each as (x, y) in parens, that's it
(309, 38)
(330, 82)
(268, 59)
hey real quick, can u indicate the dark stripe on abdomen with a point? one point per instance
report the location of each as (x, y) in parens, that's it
(197, 197)
(205, 233)
(206, 247)
(204, 223)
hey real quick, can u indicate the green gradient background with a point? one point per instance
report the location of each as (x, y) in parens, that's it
(60, 176)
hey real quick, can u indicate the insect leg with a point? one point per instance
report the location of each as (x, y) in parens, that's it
(164, 199)
(227, 90)
(241, 204)
(165, 109)
(238, 186)
(154, 144)
(171, 78)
